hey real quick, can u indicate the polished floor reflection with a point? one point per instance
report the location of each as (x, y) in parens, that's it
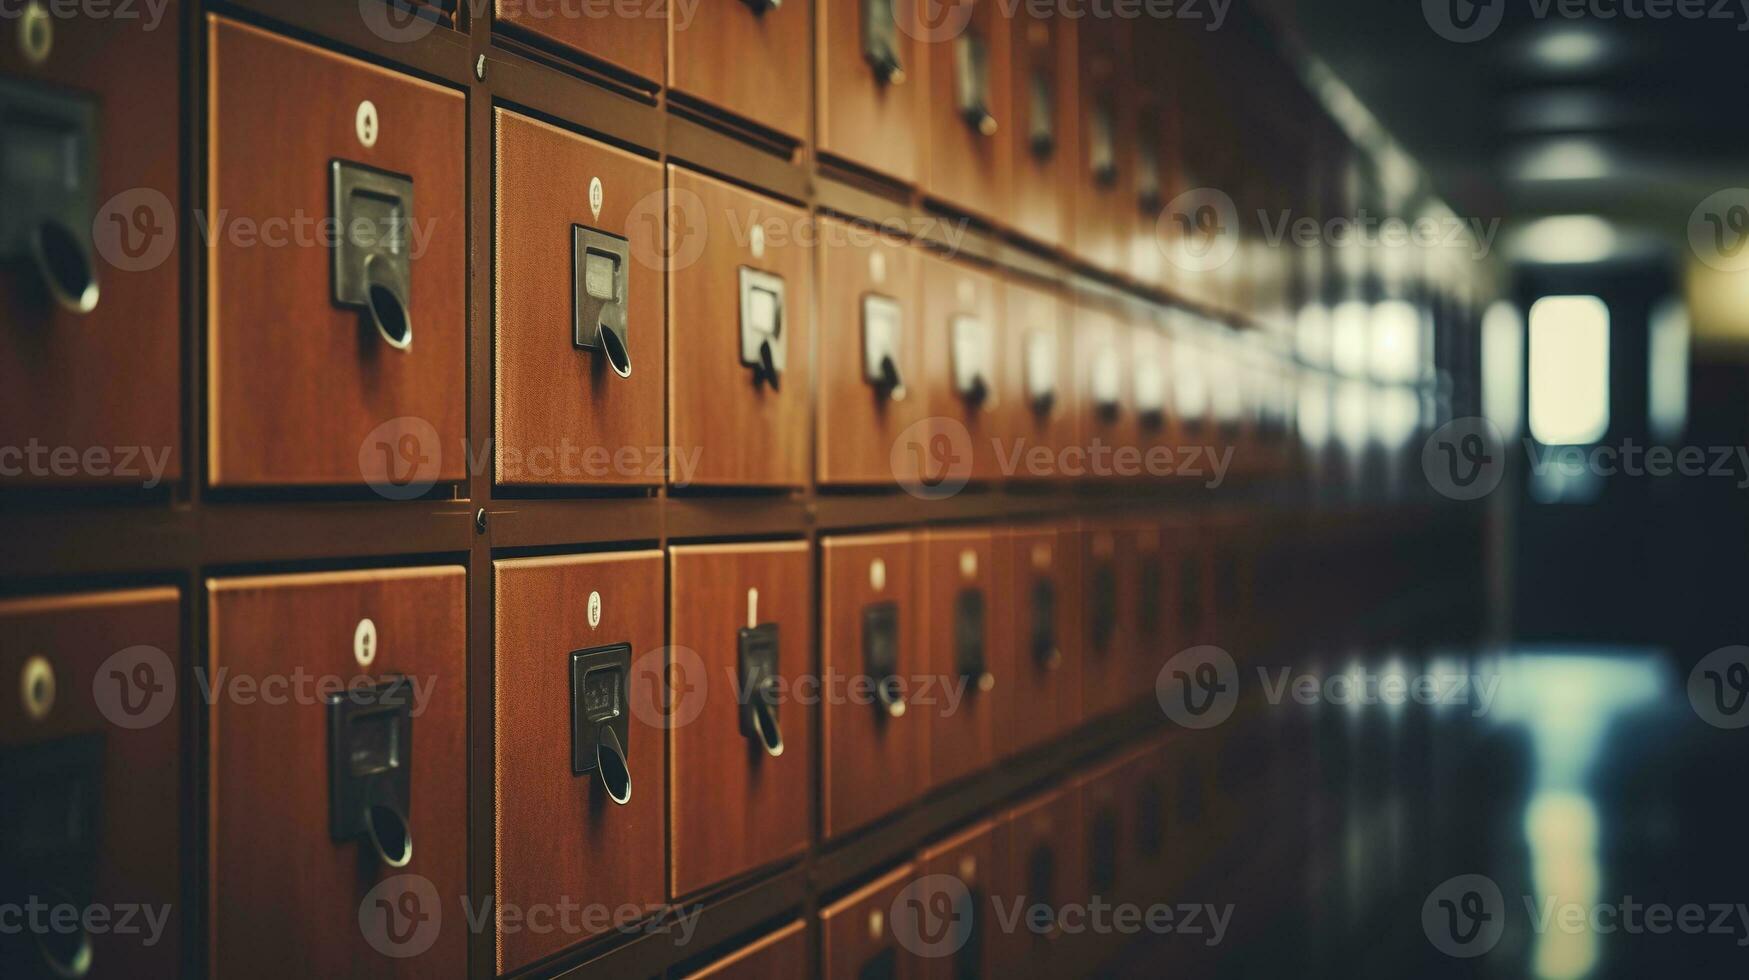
(1561, 814)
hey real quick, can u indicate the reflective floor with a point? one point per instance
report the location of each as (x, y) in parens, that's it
(1563, 814)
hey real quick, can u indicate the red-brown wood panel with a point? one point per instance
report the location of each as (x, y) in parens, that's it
(960, 566)
(783, 955)
(971, 132)
(857, 931)
(1104, 376)
(733, 806)
(968, 947)
(1041, 570)
(1104, 185)
(1046, 124)
(860, 423)
(740, 428)
(961, 301)
(629, 35)
(122, 357)
(1040, 862)
(286, 898)
(750, 57)
(565, 416)
(1109, 673)
(867, 119)
(560, 836)
(303, 391)
(875, 762)
(1038, 422)
(98, 675)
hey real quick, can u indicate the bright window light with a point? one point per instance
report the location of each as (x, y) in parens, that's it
(1395, 353)
(1667, 381)
(1503, 367)
(1569, 370)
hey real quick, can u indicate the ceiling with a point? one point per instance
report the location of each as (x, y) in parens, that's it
(1516, 110)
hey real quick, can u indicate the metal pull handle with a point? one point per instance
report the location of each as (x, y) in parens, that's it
(1042, 134)
(766, 730)
(880, 43)
(599, 266)
(390, 834)
(891, 696)
(48, 179)
(611, 765)
(63, 260)
(372, 261)
(65, 954)
(978, 392)
(891, 383)
(972, 78)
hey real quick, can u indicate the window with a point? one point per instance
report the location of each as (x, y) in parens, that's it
(1667, 371)
(1569, 370)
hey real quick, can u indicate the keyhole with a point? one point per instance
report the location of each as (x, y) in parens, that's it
(364, 642)
(38, 687)
(366, 123)
(36, 34)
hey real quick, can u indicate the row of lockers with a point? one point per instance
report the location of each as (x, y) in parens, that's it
(646, 704)
(652, 324)
(959, 907)
(1069, 128)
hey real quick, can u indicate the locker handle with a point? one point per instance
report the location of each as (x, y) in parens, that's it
(372, 271)
(390, 834)
(972, 82)
(611, 765)
(880, 44)
(63, 260)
